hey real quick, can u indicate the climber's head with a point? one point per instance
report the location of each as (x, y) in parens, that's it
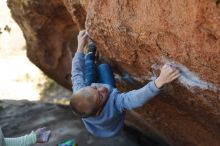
(89, 101)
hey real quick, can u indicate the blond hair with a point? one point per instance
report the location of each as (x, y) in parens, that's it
(75, 104)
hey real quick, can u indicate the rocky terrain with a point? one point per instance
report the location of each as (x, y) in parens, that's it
(20, 117)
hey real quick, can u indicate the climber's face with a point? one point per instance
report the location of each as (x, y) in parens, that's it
(99, 96)
(89, 101)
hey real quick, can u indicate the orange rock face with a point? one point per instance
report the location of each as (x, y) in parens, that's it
(136, 38)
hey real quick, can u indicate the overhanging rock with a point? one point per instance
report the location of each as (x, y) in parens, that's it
(136, 37)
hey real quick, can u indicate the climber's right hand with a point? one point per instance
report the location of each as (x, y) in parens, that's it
(82, 39)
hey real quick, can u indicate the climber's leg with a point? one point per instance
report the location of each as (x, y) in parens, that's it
(106, 75)
(90, 67)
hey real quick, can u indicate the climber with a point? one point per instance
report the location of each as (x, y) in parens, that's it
(41, 135)
(101, 106)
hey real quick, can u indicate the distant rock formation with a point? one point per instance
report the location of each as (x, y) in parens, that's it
(50, 34)
(136, 38)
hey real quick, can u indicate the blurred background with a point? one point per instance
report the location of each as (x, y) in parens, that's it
(20, 79)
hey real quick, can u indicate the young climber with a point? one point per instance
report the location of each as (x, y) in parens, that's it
(41, 135)
(101, 106)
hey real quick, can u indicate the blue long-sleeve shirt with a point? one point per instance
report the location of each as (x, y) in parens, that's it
(111, 119)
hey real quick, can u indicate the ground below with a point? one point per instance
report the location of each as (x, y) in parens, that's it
(20, 117)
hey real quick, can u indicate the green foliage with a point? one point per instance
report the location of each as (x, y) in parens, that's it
(1, 108)
(48, 88)
(52, 92)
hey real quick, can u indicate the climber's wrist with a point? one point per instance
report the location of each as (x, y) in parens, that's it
(158, 82)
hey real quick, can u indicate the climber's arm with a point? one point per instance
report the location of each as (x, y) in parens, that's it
(137, 98)
(78, 63)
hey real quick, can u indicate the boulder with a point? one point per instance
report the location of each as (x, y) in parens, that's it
(50, 34)
(136, 38)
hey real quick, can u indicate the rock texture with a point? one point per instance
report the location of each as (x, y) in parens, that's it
(136, 37)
